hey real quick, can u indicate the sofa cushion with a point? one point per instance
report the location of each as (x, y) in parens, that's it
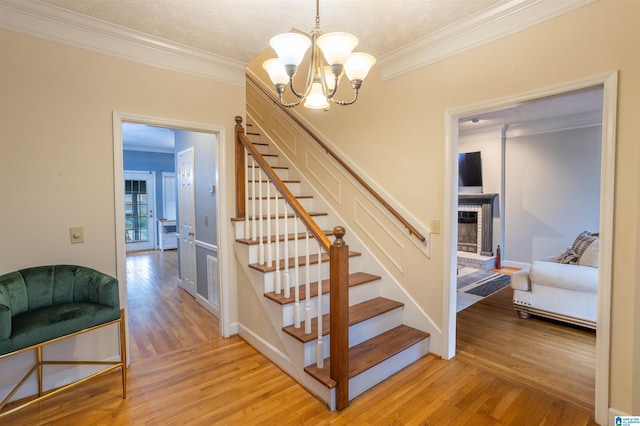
(520, 280)
(571, 277)
(38, 325)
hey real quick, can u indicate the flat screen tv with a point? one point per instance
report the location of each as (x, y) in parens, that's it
(470, 172)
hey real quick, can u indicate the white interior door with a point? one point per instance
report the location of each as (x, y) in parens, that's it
(139, 207)
(187, 220)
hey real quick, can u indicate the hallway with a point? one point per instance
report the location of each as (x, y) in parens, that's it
(183, 373)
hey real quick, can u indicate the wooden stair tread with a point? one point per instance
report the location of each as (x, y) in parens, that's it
(357, 314)
(301, 236)
(264, 197)
(302, 261)
(355, 279)
(371, 353)
(267, 181)
(281, 216)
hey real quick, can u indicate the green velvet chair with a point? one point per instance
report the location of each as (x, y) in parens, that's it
(44, 304)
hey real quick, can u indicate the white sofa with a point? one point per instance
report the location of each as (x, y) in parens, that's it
(561, 291)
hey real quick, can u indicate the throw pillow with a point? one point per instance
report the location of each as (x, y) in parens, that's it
(582, 242)
(590, 255)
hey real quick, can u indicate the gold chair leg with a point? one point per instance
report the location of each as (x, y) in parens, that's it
(123, 353)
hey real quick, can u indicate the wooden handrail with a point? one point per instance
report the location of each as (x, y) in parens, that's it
(394, 212)
(243, 141)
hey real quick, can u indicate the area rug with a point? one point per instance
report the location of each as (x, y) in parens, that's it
(475, 285)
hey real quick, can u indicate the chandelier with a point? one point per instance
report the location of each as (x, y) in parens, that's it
(324, 74)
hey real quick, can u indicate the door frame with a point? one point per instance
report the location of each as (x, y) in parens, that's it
(609, 82)
(224, 253)
(153, 205)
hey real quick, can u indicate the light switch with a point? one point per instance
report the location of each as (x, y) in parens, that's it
(435, 226)
(77, 234)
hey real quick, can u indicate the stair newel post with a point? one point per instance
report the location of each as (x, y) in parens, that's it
(307, 287)
(286, 281)
(254, 232)
(339, 316)
(296, 275)
(269, 247)
(278, 283)
(240, 169)
(260, 224)
(319, 346)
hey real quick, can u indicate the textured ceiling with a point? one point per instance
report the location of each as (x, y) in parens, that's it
(240, 29)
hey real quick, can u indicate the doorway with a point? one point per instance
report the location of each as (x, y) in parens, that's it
(216, 138)
(607, 186)
(139, 208)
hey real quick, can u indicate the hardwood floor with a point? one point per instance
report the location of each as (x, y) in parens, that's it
(183, 373)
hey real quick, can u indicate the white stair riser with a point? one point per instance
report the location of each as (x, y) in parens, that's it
(322, 222)
(378, 373)
(289, 309)
(254, 249)
(282, 173)
(294, 187)
(358, 333)
(306, 203)
(354, 265)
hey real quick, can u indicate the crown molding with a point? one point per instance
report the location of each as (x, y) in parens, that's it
(56, 24)
(551, 125)
(493, 23)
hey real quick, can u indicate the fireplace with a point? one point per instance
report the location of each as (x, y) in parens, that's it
(475, 223)
(468, 231)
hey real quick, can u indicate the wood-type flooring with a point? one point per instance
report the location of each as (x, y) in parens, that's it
(183, 373)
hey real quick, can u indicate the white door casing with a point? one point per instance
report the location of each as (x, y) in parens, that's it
(187, 220)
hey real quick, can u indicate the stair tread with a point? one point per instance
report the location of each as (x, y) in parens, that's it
(264, 197)
(355, 279)
(251, 242)
(371, 353)
(273, 167)
(283, 180)
(281, 216)
(357, 314)
(302, 261)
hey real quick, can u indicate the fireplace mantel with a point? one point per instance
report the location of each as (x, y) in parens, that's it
(476, 198)
(486, 201)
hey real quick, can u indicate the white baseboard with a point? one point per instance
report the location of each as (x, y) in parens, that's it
(267, 349)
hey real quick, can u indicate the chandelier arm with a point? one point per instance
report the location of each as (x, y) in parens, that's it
(345, 103)
(288, 105)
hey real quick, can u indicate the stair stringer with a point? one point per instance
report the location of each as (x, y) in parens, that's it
(391, 286)
(289, 355)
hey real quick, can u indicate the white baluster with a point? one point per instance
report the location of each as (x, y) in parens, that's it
(269, 247)
(287, 282)
(247, 224)
(307, 287)
(254, 234)
(319, 346)
(260, 226)
(296, 275)
(278, 279)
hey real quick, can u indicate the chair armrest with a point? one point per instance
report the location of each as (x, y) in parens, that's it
(5, 313)
(98, 287)
(571, 277)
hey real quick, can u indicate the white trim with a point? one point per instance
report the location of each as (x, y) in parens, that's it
(60, 25)
(488, 25)
(556, 124)
(225, 259)
(208, 246)
(607, 187)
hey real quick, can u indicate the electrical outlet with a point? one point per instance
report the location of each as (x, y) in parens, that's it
(77, 234)
(435, 226)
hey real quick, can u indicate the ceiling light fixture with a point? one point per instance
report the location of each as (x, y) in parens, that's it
(324, 74)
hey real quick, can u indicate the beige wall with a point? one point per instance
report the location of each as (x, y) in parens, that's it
(56, 145)
(395, 134)
(56, 163)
